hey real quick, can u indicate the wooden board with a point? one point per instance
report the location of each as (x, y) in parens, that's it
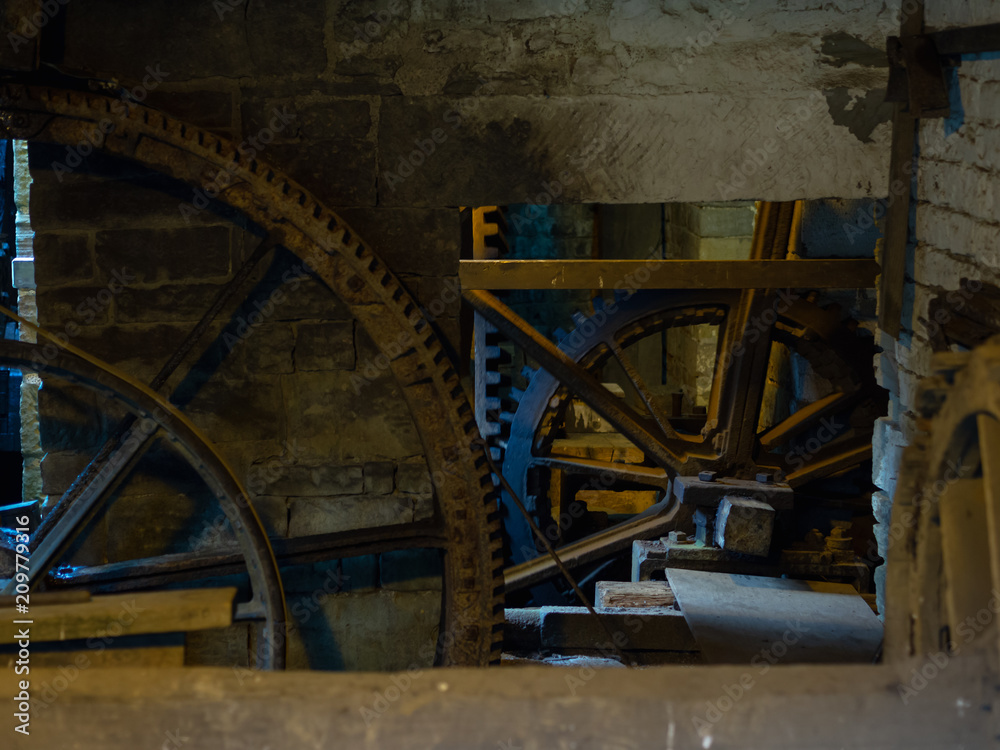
(897, 219)
(126, 614)
(627, 595)
(600, 447)
(739, 619)
(667, 274)
(618, 502)
(156, 651)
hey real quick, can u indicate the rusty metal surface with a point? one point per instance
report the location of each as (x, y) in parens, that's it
(145, 573)
(655, 556)
(466, 505)
(917, 76)
(968, 40)
(653, 522)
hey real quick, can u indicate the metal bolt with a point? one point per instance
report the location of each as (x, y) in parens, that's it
(678, 537)
(765, 477)
(707, 476)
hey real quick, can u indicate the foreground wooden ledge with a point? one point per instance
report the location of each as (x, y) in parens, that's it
(667, 274)
(777, 708)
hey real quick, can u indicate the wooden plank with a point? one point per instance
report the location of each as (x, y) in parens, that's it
(618, 502)
(897, 219)
(104, 656)
(47, 597)
(667, 274)
(738, 618)
(126, 614)
(968, 40)
(600, 447)
(834, 706)
(640, 595)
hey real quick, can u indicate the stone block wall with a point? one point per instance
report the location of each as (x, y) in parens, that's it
(496, 102)
(702, 231)
(955, 234)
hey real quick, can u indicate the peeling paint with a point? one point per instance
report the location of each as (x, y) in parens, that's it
(844, 49)
(859, 114)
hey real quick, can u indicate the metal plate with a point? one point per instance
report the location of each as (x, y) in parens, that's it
(738, 619)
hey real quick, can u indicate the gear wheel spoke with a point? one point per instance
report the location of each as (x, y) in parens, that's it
(465, 502)
(728, 438)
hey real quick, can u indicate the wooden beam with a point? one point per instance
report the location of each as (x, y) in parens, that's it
(782, 707)
(897, 219)
(667, 274)
(125, 614)
(634, 595)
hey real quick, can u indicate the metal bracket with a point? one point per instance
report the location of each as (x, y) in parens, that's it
(917, 63)
(916, 76)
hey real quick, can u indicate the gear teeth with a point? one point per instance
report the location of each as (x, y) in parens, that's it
(507, 417)
(471, 595)
(579, 318)
(560, 334)
(598, 303)
(490, 429)
(517, 394)
(527, 373)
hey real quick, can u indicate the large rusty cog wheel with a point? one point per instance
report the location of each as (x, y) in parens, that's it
(943, 539)
(466, 524)
(728, 440)
(267, 602)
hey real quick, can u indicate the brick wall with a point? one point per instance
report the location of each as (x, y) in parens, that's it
(436, 104)
(702, 231)
(955, 235)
